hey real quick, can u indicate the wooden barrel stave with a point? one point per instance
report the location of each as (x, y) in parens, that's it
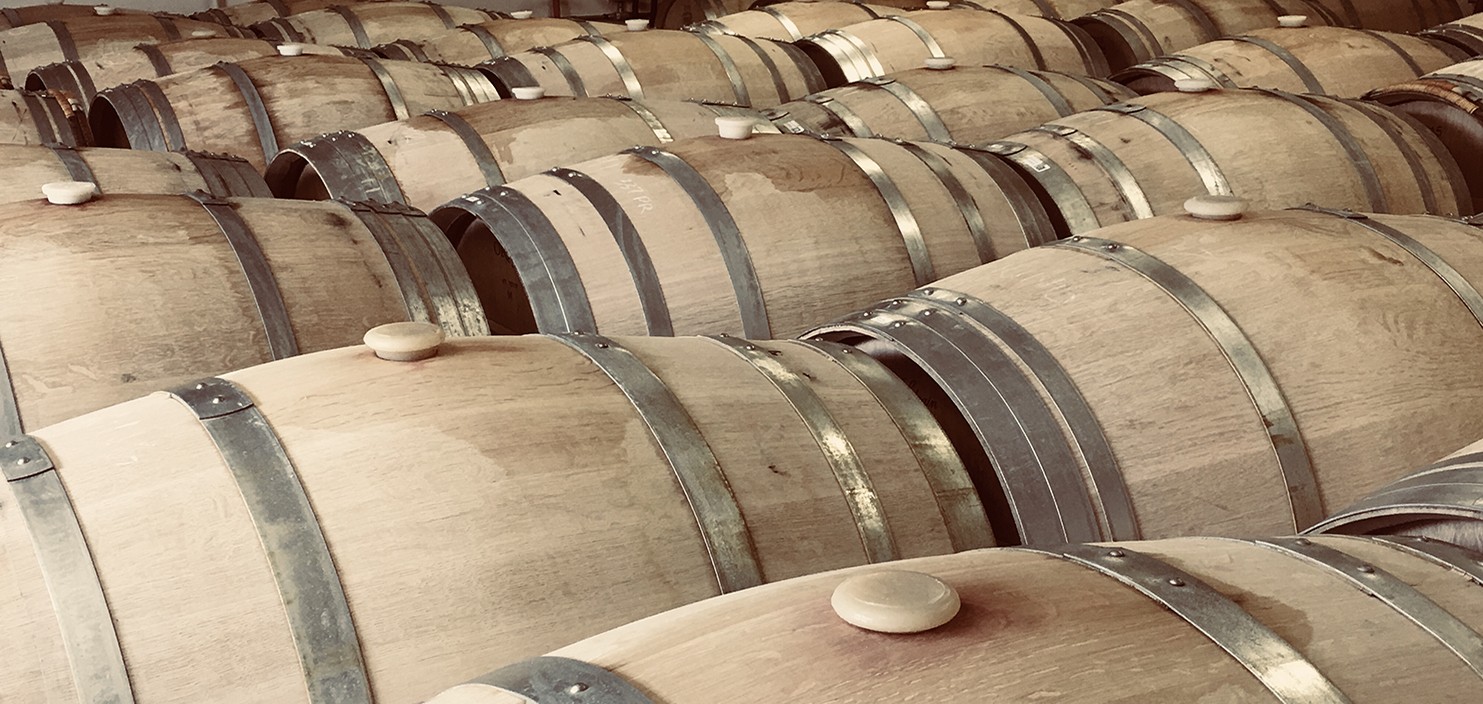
(1303, 60)
(957, 100)
(423, 162)
(1059, 9)
(1446, 103)
(23, 170)
(1139, 30)
(796, 513)
(470, 45)
(1387, 164)
(1022, 629)
(83, 79)
(30, 47)
(791, 21)
(366, 25)
(42, 117)
(1465, 33)
(210, 110)
(971, 37)
(252, 12)
(643, 65)
(1443, 501)
(1351, 451)
(714, 254)
(118, 343)
(1388, 16)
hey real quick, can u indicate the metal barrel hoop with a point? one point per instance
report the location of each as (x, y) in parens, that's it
(729, 67)
(258, 111)
(918, 106)
(1363, 167)
(1068, 197)
(267, 297)
(415, 298)
(1194, 152)
(555, 680)
(1129, 191)
(906, 222)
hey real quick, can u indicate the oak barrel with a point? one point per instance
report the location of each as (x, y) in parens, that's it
(128, 294)
(965, 104)
(25, 169)
(366, 25)
(1146, 156)
(1443, 501)
(675, 14)
(760, 237)
(1060, 9)
(86, 38)
(1327, 619)
(1333, 61)
(1449, 103)
(83, 79)
(428, 160)
(246, 14)
(475, 43)
(23, 15)
(1392, 16)
(422, 538)
(791, 21)
(664, 65)
(1179, 376)
(41, 117)
(970, 37)
(1138, 30)
(1465, 33)
(249, 108)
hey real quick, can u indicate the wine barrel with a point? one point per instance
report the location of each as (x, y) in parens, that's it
(1138, 30)
(25, 169)
(475, 43)
(1449, 103)
(41, 117)
(762, 237)
(1335, 61)
(82, 39)
(1146, 156)
(23, 15)
(1442, 502)
(251, 107)
(83, 79)
(1392, 16)
(428, 160)
(675, 14)
(970, 37)
(647, 473)
(1060, 9)
(791, 21)
(966, 104)
(1228, 378)
(1465, 33)
(663, 65)
(141, 292)
(1326, 619)
(246, 14)
(366, 25)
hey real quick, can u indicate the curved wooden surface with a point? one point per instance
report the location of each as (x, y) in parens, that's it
(1448, 103)
(971, 37)
(42, 117)
(246, 14)
(25, 168)
(366, 25)
(1139, 30)
(1147, 156)
(579, 518)
(23, 15)
(252, 107)
(129, 294)
(967, 104)
(761, 237)
(1465, 33)
(1442, 501)
(1033, 622)
(664, 65)
(472, 44)
(1060, 9)
(86, 38)
(791, 21)
(1269, 357)
(425, 161)
(1335, 61)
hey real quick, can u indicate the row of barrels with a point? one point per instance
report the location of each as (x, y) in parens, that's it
(649, 472)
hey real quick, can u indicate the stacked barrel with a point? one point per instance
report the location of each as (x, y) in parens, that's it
(403, 352)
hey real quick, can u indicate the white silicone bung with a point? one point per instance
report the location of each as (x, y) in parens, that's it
(895, 601)
(522, 14)
(1193, 85)
(1292, 21)
(203, 33)
(938, 4)
(528, 92)
(941, 63)
(104, 10)
(1216, 207)
(735, 126)
(68, 192)
(290, 49)
(404, 342)
(636, 25)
